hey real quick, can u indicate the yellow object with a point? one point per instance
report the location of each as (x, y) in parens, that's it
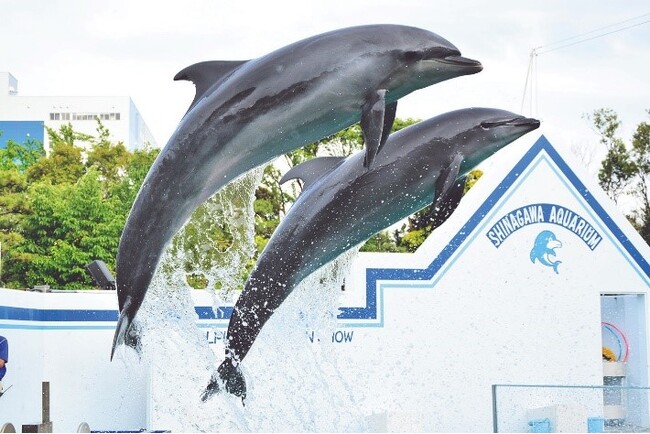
(608, 355)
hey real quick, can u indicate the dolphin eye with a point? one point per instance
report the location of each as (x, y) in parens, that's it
(487, 125)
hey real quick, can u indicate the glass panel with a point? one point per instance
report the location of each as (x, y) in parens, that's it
(551, 408)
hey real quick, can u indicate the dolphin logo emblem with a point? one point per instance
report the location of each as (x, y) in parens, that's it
(245, 113)
(544, 249)
(343, 204)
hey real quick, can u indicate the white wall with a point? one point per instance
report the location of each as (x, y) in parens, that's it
(74, 357)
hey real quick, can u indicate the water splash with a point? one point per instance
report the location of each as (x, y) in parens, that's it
(294, 382)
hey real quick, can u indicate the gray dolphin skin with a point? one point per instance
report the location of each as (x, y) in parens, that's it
(245, 113)
(343, 204)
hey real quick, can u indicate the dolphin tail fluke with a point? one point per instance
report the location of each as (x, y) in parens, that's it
(123, 324)
(228, 377)
(214, 386)
(555, 265)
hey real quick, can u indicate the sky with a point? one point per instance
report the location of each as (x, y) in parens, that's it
(134, 48)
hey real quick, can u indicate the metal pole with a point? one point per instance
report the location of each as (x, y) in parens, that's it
(495, 412)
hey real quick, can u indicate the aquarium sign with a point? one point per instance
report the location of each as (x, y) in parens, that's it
(543, 213)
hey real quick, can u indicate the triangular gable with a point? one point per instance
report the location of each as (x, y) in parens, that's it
(378, 279)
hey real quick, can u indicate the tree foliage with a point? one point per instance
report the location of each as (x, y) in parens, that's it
(60, 211)
(19, 157)
(625, 170)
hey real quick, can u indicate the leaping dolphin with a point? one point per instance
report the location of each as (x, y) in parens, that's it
(544, 249)
(245, 113)
(343, 204)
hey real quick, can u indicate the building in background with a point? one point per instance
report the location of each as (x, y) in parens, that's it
(24, 117)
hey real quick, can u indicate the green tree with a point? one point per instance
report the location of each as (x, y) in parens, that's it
(58, 212)
(618, 168)
(641, 156)
(15, 159)
(126, 188)
(384, 241)
(111, 159)
(625, 171)
(14, 206)
(19, 157)
(69, 226)
(68, 136)
(64, 164)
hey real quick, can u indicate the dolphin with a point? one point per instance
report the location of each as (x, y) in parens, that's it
(343, 204)
(245, 113)
(544, 248)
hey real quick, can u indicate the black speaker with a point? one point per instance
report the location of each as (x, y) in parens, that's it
(102, 277)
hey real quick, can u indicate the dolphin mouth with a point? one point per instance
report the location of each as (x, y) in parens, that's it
(528, 123)
(531, 123)
(462, 62)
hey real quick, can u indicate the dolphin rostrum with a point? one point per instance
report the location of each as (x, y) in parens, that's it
(343, 204)
(245, 113)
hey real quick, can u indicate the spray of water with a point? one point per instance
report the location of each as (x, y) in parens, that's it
(292, 375)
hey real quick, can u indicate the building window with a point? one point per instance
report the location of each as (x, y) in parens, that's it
(84, 116)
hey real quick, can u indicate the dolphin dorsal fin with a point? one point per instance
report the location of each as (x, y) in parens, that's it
(206, 74)
(312, 170)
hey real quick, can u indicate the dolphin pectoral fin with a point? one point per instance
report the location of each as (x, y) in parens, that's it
(373, 114)
(446, 204)
(449, 191)
(206, 74)
(447, 178)
(311, 170)
(389, 119)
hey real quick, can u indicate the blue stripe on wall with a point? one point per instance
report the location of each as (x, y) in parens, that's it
(31, 314)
